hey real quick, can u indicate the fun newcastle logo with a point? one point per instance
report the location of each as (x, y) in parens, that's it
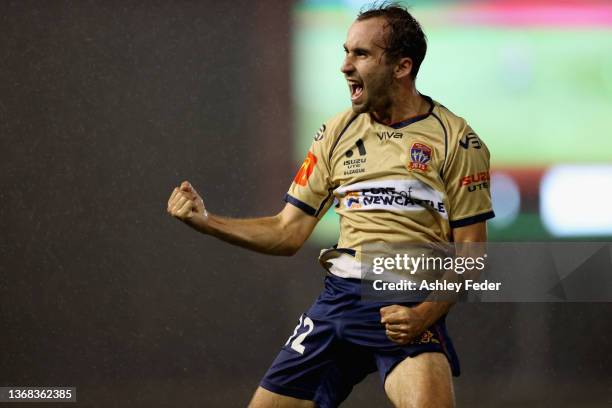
(398, 195)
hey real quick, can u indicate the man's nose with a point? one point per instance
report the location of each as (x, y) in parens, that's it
(347, 67)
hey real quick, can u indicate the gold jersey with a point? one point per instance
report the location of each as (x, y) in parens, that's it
(410, 182)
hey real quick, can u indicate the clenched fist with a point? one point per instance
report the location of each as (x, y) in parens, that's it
(402, 323)
(186, 204)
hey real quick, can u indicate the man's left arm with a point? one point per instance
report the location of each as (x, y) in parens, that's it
(404, 323)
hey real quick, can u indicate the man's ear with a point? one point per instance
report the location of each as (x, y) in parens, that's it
(403, 68)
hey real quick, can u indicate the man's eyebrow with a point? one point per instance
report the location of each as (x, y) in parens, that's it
(357, 49)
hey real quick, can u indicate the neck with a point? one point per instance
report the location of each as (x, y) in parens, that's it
(404, 103)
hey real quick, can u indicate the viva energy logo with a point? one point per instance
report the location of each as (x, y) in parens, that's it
(397, 195)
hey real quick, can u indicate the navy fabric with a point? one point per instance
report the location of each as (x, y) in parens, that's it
(345, 342)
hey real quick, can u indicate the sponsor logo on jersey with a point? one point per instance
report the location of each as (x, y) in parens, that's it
(389, 135)
(354, 165)
(306, 169)
(470, 140)
(352, 200)
(320, 133)
(426, 337)
(402, 195)
(420, 155)
(360, 148)
(477, 181)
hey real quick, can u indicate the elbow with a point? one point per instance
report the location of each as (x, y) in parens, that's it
(291, 243)
(290, 248)
(289, 240)
(289, 251)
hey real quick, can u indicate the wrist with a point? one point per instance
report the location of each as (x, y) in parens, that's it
(201, 223)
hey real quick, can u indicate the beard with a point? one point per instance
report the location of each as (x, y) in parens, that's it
(362, 107)
(375, 94)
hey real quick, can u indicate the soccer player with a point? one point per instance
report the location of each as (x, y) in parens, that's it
(401, 168)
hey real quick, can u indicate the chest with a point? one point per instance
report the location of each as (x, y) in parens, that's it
(371, 153)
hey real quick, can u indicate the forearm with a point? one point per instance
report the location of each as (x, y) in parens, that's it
(432, 311)
(439, 302)
(282, 234)
(266, 234)
(469, 243)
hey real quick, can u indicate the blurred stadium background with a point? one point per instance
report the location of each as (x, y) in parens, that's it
(106, 105)
(533, 78)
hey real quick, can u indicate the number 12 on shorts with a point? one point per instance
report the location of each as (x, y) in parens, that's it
(296, 341)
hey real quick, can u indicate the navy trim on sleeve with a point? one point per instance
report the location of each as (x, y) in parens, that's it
(300, 204)
(472, 220)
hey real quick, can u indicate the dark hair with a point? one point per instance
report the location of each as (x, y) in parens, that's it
(405, 37)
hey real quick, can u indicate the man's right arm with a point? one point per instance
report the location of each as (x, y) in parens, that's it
(281, 234)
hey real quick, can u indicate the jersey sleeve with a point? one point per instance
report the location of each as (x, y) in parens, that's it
(311, 190)
(467, 180)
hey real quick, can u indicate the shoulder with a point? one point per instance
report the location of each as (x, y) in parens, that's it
(338, 123)
(457, 128)
(453, 124)
(331, 130)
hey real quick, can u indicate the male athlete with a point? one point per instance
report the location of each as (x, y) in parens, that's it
(400, 168)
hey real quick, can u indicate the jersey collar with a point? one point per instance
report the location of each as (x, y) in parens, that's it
(413, 119)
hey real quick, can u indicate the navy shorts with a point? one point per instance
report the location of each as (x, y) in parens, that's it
(339, 341)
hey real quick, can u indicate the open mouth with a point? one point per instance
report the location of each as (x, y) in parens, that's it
(356, 90)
